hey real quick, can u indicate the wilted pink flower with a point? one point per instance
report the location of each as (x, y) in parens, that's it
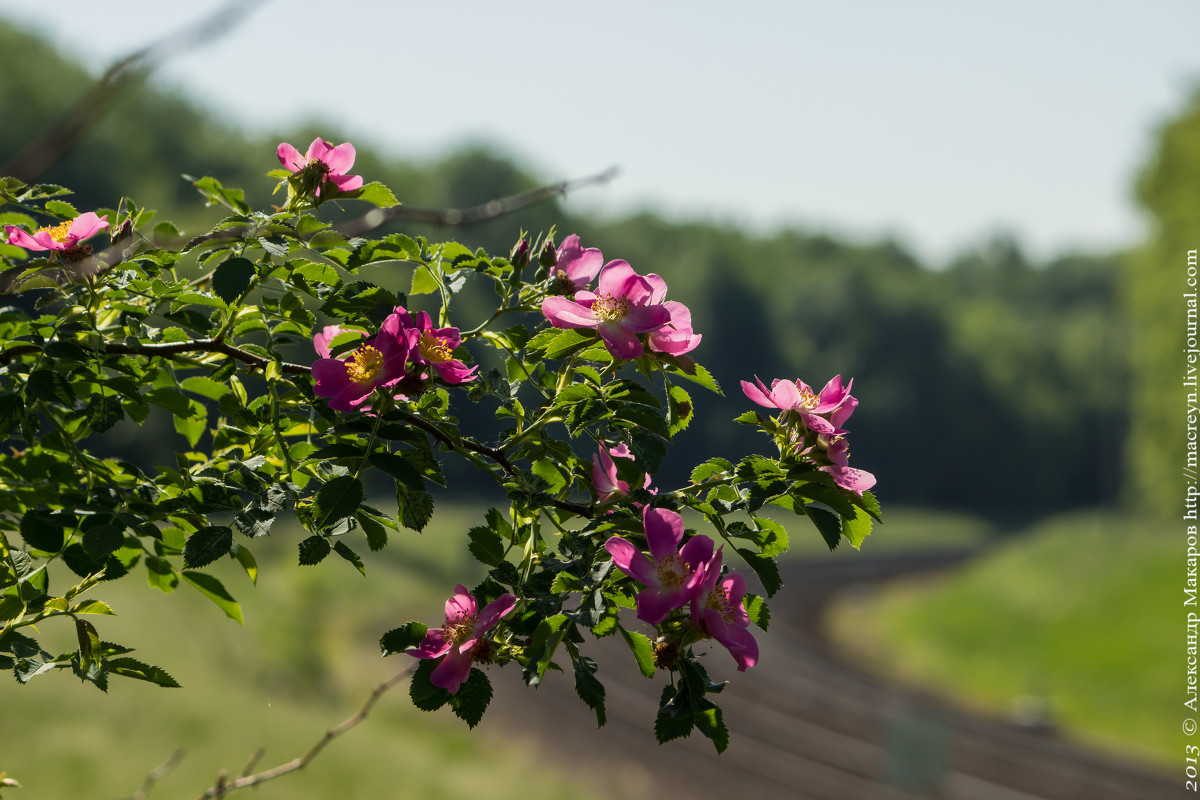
(604, 473)
(348, 381)
(575, 267)
(674, 575)
(435, 346)
(331, 162)
(838, 451)
(462, 633)
(62, 236)
(621, 309)
(718, 611)
(798, 397)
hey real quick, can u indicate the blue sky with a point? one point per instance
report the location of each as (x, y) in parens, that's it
(937, 122)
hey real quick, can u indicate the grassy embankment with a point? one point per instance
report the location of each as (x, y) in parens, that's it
(306, 660)
(1084, 613)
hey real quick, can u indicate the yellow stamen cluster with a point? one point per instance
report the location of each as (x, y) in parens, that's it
(57, 232)
(459, 630)
(718, 601)
(671, 571)
(807, 398)
(609, 308)
(433, 349)
(365, 365)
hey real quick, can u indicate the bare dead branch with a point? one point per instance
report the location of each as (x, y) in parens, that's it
(53, 144)
(157, 775)
(224, 785)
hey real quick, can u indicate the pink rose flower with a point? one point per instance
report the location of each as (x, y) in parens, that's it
(461, 636)
(349, 380)
(621, 308)
(331, 162)
(604, 473)
(718, 611)
(837, 450)
(62, 236)
(674, 575)
(435, 347)
(796, 396)
(574, 266)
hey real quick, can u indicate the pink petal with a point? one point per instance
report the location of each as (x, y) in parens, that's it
(21, 238)
(290, 157)
(664, 532)
(613, 278)
(758, 394)
(645, 319)
(346, 183)
(321, 340)
(47, 241)
(658, 288)
(455, 372)
(433, 645)
(453, 671)
(856, 480)
(631, 561)
(339, 159)
(330, 375)
(785, 394)
(461, 604)
(317, 149)
(86, 226)
(620, 342)
(493, 611)
(564, 313)
(654, 603)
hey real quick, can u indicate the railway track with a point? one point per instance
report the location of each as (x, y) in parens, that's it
(804, 724)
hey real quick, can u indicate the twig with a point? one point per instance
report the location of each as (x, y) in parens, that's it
(157, 775)
(169, 349)
(224, 786)
(49, 148)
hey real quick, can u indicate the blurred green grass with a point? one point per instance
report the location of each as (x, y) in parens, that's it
(306, 660)
(1071, 614)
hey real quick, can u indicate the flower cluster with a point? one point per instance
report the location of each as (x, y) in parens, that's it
(407, 346)
(688, 577)
(624, 305)
(813, 425)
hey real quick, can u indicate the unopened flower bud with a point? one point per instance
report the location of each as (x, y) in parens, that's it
(549, 255)
(520, 254)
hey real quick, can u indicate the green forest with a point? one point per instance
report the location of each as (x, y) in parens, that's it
(994, 385)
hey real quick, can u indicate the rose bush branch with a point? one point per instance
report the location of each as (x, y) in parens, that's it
(293, 384)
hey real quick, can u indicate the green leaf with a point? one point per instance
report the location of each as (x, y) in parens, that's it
(343, 550)
(48, 385)
(193, 426)
(415, 506)
(313, 550)
(161, 575)
(687, 367)
(766, 569)
(376, 194)
(486, 545)
(857, 528)
(207, 545)
(757, 610)
(828, 524)
(396, 465)
(100, 540)
(377, 536)
(397, 640)
(674, 719)
(104, 411)
(679, 409)
(138, 670)
(171, 400)
(244, 557)
(205, 387)
(337, 499)
(472, 698)
(92, 607)
(42, 530)
(232, 278)
(589, 689)
(11, 411)
(566, 342)
(542, 645)
(642, 649)
(421, 690)
(423, 282)
(61, 209)
(214, 590)
(710, 722)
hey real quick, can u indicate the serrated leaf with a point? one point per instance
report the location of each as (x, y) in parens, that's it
(421, 690)
(104, 411)
(205, 387)
(11, 411)
(313, 550)
(472, 698)
(566, 342)
(711, 467)
(757, 610)
(243, 556)
(92, 607)
(423, 281)
(337, 499)
(160, 574)
(100, 540)
(50, 386)
(710, 722)
(674, 718)
(207, 545)
(765, 568)
(486, 545)
(542, 645)
(376, 194)
(215, 591)
(857, 528)
(343, 550)
(42, 530)
(397, 640)
(589, 688)
(131, 668)
(828, 524)
(61, 209)
(642, 649)
(679, 409)
(415, 506)
(377, 536)
(232, 278)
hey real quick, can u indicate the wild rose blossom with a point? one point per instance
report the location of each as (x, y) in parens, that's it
(604, 472)
(575, 267)
(461, 638)
(377, 363)
(676, 337)
(718, 611)
(672, 575)
(330, 163)
(621, 308)
(435, 346)
(63, 236)
(837, 450)
(798, 397)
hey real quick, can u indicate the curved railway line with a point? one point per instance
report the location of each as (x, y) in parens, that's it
(804, 724)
